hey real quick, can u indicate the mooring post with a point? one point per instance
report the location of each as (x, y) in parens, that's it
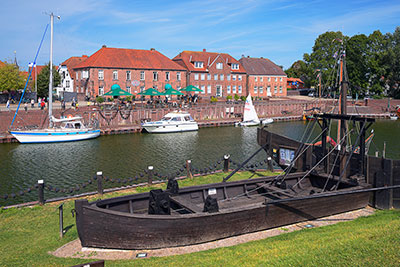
(269, 164)
(384, 149)
(226, 162)
(150, 174)
(377, 153)
(189, 168)
(100, 183)
(41, 191)
(60, 212)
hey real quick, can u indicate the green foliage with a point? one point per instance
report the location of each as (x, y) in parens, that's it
(301, 70)
(43, 80)
(128, 98)
(213, 99)
(228, 97)
(243, 98)
(100, 99)
(11, 78)
(236, 96)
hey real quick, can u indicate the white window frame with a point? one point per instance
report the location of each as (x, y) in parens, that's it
(115, 75)
(128, 75)
(276, 79)
(234, 77)
(208, 89)
(155, 76)
(255, 89)
(269, 79)
(100, 75)
(221, 77)
(239, 89)
(255, 78)
(281, 79)
(167, 76)
(85, 74)
(209, 77)
(66, 83)
(228, 77)
(275, 89)
(280, 90)
(76, 76)
(101, 90)
(261, 79)
(219, 66)
(198, 64)
(142, 75)
(178, 76)
(228, 89)
(128, 89)
(203, 87)
(235, 66)
(215, 77)
(196, 76)
(260, 89)
(202, 76)
(239, 77)
(234, 89)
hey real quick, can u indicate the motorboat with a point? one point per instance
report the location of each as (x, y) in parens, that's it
(250, 117)
(171, 123)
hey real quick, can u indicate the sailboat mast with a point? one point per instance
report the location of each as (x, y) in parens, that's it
(51, 71)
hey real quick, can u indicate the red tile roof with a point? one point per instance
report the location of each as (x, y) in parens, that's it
(120, 58)
(72, 62)
(2, 63)
(294, 80)
(187, 59)
(260, 66)
(39, 69)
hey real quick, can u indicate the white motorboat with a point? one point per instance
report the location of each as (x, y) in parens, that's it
(250, 117)
(58, 130)
(171, 123)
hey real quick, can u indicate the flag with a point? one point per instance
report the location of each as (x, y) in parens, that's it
(31, 64)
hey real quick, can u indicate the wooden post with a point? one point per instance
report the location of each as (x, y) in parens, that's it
(269, 164)
(226, 163)
(384, 150)
(189, 168)
(150, 175)
(41, 191)
(60, 211)
(100, 183)
(377, 153)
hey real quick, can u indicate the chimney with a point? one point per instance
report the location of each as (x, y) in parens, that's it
(104, 46)
(204, 50)
(248, 56)
(261, 57)
(242, 56)
(152, 49)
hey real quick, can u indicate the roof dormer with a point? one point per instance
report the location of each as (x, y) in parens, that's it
(198, 64)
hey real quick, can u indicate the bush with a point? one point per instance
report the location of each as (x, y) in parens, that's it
(236, 97)
(213, 99)
(128, 99)
(243, 98)
(228, 97)
(99, 99)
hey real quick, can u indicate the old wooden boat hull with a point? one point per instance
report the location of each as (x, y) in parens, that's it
(113, 223)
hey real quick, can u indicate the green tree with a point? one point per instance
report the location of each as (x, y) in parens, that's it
(300, 70)
(392, 68)
(357, 63)
(43, 80)
(11, 78)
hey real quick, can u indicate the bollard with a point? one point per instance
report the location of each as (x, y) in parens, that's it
(189, 168)
(384, 150)
(60, 212)
(100, 183)
(41, 191)
(150, 175)
(269, 164)
(226, 163)
(377, 154)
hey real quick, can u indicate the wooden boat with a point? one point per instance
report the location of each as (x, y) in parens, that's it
(186, 218)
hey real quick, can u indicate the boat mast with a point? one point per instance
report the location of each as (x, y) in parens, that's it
(51, 71)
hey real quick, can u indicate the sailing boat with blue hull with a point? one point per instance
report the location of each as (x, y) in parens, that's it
(58, 130)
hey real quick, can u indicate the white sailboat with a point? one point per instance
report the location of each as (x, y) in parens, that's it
(250, 117)
(59, 130)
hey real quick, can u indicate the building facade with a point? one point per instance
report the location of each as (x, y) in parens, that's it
(132, 69)
(217, 74)
(294, 83)
(67, 73)
(265, 78)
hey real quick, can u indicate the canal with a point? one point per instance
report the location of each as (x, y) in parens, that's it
(65, 165)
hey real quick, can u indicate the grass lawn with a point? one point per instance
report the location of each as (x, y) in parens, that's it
(28, 234)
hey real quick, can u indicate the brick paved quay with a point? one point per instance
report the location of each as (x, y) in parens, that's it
(206, 114)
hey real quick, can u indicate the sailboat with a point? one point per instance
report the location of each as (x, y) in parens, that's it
(250, 117)
(58, 130)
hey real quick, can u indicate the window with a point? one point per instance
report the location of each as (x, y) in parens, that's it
(63, 75)
(66, 83)
(209, 77)
(228, 89)
(261, 79)
(128, 75)
(203, 87)
(239, 89)
(275, 89)
(203, 77)
(255, 79)
(208, 89)
(196, 76)
(178, 76)
(239, 77)
(276, 79)
(219, 66)
(260, 89)
(234, 89)
(101, 75)
(198, 64)
(228, 77)
(269, 79)
(221, 77)
(167, 76)
(77, 76)
(235, 66)
(280, 89)
(82, 90)
(141, 89)
(280, 78)
(216, 77)
(255, 89)
(85, 74)
(142, 75)
(115, 75)
(233, 77)
(128, 89)
(101, 90)
(155, 76)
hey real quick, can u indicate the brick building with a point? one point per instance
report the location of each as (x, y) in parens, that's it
(68, 75)
(132, 69)
(217, 74)
(265, 78)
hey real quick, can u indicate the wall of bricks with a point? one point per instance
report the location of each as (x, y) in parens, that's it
(275, 84)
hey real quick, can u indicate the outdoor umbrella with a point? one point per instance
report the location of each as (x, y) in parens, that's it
(150, 92)
(191, 88)
(170, 91)
(117, 91)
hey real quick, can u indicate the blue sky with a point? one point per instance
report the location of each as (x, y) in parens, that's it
(279, 30)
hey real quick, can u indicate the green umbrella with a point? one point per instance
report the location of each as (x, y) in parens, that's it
(191, 88)
(171, 91)
(150, 92)
(117, 91)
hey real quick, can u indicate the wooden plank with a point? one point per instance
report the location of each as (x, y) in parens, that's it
(186, 204)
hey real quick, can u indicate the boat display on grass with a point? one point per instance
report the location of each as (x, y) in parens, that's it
(250, 117)
(58, 130)
(171, 123)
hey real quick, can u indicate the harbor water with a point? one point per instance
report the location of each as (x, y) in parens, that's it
(65, 165)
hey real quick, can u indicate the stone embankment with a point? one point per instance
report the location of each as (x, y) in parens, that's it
(127, 120)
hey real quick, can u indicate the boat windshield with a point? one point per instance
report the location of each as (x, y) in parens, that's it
(166, 119)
